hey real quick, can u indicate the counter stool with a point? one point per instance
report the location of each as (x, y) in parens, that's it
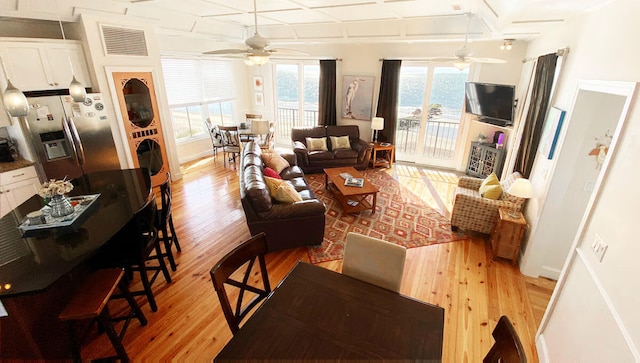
(90, 302)
(165, 222)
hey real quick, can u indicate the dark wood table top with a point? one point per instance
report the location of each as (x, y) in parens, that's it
(316, 313)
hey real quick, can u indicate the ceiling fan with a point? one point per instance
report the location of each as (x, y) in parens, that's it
(463, 57)
(258, 50)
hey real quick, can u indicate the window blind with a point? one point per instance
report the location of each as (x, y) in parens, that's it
(196, 80)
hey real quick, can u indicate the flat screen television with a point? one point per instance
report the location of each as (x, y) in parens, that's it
(492, 103)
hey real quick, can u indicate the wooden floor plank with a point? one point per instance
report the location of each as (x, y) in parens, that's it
(459, 276)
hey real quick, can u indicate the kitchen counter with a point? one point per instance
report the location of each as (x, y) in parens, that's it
(13, 165)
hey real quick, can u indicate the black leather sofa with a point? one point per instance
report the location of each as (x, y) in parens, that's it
(314, 161)
(285, 225)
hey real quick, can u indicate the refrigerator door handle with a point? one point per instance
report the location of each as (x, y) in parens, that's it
(67, 132)
(77, 141)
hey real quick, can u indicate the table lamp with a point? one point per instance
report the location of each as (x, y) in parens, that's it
(377, 123)
(521, 188)
(259, 127)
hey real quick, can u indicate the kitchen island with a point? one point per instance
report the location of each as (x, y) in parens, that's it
(39, 273)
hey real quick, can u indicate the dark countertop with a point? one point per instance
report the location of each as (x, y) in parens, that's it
(13, 165)
(32, 264)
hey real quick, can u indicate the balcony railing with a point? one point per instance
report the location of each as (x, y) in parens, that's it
(439, 141)
(289, 118)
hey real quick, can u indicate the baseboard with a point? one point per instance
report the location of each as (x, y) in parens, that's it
(550, 273)
(197, 156)
(541, 346)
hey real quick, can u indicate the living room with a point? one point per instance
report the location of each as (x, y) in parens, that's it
(596, 53)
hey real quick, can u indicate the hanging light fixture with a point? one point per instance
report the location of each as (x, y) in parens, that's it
(507, 44)
(76, 90)
(14, 100)
(462, 64)
(256, 58)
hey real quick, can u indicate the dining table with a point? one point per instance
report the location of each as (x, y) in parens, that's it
(318, 314)
(39, 269)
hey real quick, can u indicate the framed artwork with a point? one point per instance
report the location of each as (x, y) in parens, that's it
(551, 131)
(357, 99)
(257, 84)
(259, 99)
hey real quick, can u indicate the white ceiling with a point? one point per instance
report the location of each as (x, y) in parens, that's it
(324, 21)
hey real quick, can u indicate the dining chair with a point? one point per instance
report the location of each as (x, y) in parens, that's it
(374, 261)
(267, 144)
(231, 143)
(166, 229)
(215, 135)
(507, 346)
(245, 254)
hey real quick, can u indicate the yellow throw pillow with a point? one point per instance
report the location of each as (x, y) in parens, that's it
(492, 179)
(286, 193)
(340, 142)
(275, 161)
(316, 144)
(491, 191)
(273, 184)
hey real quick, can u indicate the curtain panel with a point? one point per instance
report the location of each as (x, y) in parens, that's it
(388, 99)
(540, 102)
(327, 94)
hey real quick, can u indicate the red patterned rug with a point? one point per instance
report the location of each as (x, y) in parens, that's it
(401, 217)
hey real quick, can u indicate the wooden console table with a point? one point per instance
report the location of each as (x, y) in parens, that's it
(387, 155)
(507, 235)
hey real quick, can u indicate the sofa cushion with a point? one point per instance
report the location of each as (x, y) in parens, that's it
(291, 172)
(307, 194)
(339, 142)
(316, 144)
(256, 189)
(345, 154)
(275, 161)
(271, 173)
(252, 159)
(299, 183)
(321, 155)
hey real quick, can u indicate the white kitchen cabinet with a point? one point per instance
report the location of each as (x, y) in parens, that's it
(42, 66)
(16, 187)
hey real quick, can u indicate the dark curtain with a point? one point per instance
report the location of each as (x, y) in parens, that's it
(540, 99)
(327, 89)
(388, 99)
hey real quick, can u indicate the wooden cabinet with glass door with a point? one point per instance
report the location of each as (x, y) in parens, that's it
(139, 109)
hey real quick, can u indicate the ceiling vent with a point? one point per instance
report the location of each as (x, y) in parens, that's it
(123, 41)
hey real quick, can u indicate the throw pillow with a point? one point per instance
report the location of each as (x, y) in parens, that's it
(275, 161)
(488, 187)
(491, 192)
(271, 173)
(316, 144)
(340, 142)
(273, 184)
(286, 193)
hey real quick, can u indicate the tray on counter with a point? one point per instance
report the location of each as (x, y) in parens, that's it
(83, 203)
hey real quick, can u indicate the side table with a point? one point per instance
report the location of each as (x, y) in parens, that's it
(507, 235)
(385, 156)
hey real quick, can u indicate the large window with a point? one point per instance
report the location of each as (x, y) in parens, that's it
(297, 97)
(197, 90)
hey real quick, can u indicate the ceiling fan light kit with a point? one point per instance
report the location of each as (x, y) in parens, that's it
(507, 45)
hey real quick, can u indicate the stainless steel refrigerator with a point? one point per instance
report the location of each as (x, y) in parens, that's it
(70, 138)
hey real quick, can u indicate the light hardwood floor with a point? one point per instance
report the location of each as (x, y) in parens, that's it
(460, 276)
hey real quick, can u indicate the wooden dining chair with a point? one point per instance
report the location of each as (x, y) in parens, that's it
(231, 143)
(215, 135)
(167, 232)
(507, 347)
(245, 254)
(374, 261)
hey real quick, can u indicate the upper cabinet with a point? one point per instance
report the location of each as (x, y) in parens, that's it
(42, 66)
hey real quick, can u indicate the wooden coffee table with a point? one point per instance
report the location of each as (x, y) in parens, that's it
(351, 199)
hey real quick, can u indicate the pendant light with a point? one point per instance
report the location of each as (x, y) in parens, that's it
(76, 90)
(14, 100)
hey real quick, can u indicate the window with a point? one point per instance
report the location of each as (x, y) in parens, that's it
(297, 87)
(197, 90)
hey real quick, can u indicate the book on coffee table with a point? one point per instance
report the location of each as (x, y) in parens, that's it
(354, 182)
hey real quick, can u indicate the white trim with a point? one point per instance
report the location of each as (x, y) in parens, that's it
(550, 272)
(543, 353)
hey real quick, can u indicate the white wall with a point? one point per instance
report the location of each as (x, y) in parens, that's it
(593, 315)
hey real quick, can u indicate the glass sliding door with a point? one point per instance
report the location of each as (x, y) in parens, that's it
(296, 98)
(430, 108)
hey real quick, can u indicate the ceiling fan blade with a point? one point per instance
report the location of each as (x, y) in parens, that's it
(287, 51)
(486, 60)
(441, 59)
(226, 51)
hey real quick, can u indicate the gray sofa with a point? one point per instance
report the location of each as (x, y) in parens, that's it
(314, 161)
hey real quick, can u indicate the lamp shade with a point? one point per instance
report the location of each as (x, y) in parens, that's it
(259, 127)
(15, 101)
(521, 188)
(377, 123)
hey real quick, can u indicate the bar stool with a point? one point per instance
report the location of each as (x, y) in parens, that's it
(90, 302)
(165, 222)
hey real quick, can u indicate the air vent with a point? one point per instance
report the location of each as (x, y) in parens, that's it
(124, 41)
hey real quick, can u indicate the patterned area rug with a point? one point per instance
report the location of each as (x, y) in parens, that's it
(401, 217)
